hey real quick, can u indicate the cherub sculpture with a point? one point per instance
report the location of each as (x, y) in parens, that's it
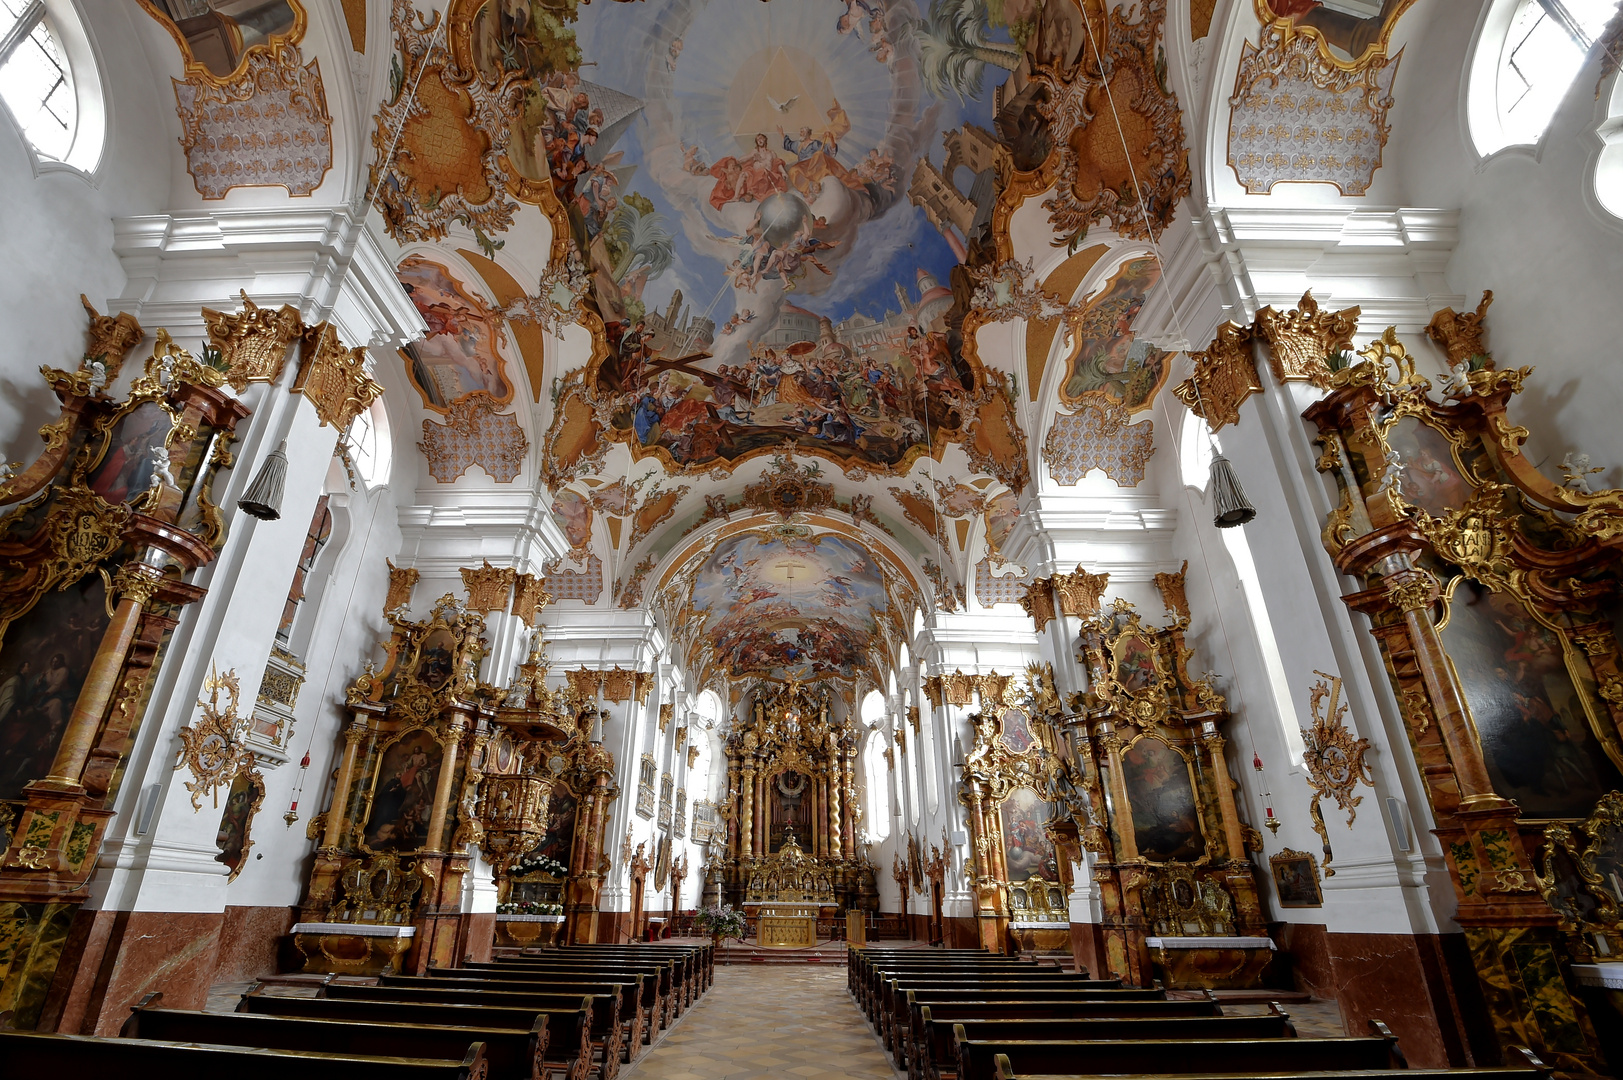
(1576, 470)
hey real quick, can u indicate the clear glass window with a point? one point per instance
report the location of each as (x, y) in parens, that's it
(368, 443)
(35, 80)
(1541, 55)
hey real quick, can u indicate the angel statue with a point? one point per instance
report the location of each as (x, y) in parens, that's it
(1392, 475)
(161, 467)
(1577, 471)
(1458, 383)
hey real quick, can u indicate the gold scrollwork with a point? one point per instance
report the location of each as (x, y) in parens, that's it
(213, 750)
(1300, 340)
(1225, 375)
(253, 343)
(334, 378)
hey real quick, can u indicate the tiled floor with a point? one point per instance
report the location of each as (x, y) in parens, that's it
(768, 1021)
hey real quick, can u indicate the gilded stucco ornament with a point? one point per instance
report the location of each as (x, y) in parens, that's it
(488, 586)
(1300, 340)
(253, 343)
(1225, 375)
(214, 751)
(1334, 758)
(334, 378)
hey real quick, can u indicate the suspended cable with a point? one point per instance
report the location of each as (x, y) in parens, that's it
(1183, 334)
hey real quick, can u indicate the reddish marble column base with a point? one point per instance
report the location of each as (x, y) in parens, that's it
(1422, 986)
(114, 958)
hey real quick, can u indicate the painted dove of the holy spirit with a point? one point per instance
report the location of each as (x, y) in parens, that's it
(783, 106)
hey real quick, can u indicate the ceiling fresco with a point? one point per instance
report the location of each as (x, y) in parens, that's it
(784, 605)
(771, 219)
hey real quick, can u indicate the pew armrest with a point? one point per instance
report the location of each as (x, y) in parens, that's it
(1004, 1070)
(1274, 1009)
(1381, 1031)
(1525, 1055)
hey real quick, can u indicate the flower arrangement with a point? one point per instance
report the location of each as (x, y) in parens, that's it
(721, 921)
(529, 907)
(540, 864)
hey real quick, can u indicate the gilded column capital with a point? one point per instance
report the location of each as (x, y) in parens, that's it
(1080, 592)
(1413, 593)
(137, 581)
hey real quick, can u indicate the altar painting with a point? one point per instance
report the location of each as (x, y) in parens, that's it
(1109, 367)
(1161, 795)
(403, 799)
(461, 354)
(1430, 479)
(790, 606)
(139, 440)
(1135, 664)
(559, 841)
(1027, 850)
(436, 659)
(43, 665)
(790, 804)
(1529, 713)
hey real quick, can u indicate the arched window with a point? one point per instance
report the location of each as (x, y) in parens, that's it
(1194, 453)
(314, 540)
(877, 805)
(368, 443)
(1527, 55)
(873, 708)
(36, 80)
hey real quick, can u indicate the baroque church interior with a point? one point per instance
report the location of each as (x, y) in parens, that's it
(946, 538)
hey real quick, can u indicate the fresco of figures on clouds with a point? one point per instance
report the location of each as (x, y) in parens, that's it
(770, 200)
(793, 607)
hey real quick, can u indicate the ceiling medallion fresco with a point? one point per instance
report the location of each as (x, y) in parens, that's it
(461, 354)
(790, 606)
(1108, 369)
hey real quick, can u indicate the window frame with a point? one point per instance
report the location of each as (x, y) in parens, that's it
(1484, 119)
(66, 23)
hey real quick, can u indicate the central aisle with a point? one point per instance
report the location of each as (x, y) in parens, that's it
(769, 1020)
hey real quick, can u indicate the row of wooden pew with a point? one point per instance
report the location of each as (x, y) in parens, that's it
(576, 1013)
(974, 1015)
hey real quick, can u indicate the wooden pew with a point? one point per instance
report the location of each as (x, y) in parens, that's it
(701, 958)
(1527, 1067)
(977, 1059)
(632, 988)
(891, 1013)
(510, 1053)
(568, 1052)
(949, 1005)
(934, 1056)
(662, 988)
(872, 986)
(867, 970)
(32, 1054)
(614, 1008)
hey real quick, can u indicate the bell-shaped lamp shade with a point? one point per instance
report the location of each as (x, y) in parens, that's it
(1229, 503)
(263, 499)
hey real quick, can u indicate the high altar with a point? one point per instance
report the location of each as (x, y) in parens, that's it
(791, 773)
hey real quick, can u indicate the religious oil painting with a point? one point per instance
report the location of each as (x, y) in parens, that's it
(1530, 714)
(435, 658)
(790, 803)
(403, 799)
(1430, 479)
(137, 446)
(1161, 792)
(462, 353)
(236, 823)
(1349, 29)
(573, 512)
(1017, 734)
(1135, 664)
(789, 606)
(1296, 880)
(1027, 850)
(560, 834)
(219, 33)
(43, 664)
(1109, 367)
